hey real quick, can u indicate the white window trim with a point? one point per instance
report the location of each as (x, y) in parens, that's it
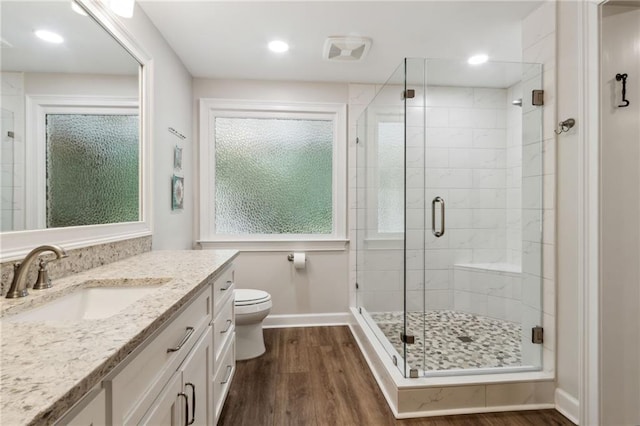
(38, 107)
(259, 109)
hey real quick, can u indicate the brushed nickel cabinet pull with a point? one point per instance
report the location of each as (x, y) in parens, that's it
(226, 286)
(228, 375)
(229, 322)
(190, 331)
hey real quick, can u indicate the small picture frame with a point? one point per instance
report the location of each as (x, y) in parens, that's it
(177, 158)
(177, 192)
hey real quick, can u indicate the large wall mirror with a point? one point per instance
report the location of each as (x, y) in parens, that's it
(73, 130)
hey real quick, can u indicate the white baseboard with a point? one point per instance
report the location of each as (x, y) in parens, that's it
(306, 320)
(567, 405)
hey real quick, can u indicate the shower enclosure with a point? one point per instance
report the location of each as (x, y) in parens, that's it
(449, 217)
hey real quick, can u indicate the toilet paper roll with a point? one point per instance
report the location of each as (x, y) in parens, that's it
(299, 260)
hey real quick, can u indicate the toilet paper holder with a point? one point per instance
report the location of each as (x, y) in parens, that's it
(290, 257)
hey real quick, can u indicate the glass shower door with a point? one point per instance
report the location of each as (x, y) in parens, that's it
(483, 203)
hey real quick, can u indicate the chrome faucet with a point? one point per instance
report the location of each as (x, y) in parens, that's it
(20, 270)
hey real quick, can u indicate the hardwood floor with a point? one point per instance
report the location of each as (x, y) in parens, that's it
(317, 376)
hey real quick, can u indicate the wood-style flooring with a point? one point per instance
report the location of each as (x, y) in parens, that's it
(317, 376)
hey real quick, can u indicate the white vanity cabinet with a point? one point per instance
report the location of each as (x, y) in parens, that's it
(187, 398)
(224, 338)
(134, 385)
(181, 374)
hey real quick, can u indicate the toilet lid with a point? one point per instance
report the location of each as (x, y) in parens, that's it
(250, 297)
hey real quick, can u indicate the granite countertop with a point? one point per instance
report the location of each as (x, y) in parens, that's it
(46, 367)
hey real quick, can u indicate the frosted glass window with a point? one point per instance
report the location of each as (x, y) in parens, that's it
(273, 176)
(92, 169)
(390, 177)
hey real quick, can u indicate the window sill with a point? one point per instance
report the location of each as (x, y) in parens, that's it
(275, 245)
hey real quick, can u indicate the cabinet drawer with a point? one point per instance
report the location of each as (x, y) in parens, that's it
(133, 388)
(223, 327)
(224, 375)
(222, 288)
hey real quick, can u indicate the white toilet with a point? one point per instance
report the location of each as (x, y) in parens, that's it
(252, 306)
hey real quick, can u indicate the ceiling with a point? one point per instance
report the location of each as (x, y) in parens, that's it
(227, 39)
(87, 47)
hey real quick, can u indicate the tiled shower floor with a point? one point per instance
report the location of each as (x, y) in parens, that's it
(494, 342)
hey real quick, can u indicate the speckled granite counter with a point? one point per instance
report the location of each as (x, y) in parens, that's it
(47, 367)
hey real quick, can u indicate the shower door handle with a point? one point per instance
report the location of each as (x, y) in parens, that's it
(439, 233)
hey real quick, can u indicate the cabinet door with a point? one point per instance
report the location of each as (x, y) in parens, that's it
(93, 414)
(196, 373)
(169, 408)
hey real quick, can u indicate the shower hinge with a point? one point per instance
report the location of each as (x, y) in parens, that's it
(408, 94)
(360, 311)
(413, 373)
(537, 97)
(536, 335)
(357, 286)
(395, 360)
(357, 140)
(11, 134)
(407, 338)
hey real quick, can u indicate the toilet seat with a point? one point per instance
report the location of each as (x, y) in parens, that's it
(247, 297)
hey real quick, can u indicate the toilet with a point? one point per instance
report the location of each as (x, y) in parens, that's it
(252, 306)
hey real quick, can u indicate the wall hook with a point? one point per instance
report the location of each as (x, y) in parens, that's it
(623, 78)
(565, 126)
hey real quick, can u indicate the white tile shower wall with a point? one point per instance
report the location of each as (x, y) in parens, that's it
(484, 291)
(466, 165)
(12, 161)
(538, 186)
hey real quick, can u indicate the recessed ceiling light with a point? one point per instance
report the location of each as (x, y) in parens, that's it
(478, 59)
(77, 9)
(49, 36)
(278, 46)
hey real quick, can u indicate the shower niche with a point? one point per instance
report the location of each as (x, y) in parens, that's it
(449, 218)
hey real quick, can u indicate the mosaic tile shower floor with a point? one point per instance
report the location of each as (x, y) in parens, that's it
(494, 342)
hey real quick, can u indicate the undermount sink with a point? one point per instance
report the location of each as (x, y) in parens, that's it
(96, 299)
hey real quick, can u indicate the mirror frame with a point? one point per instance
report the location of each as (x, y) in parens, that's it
(17, 244)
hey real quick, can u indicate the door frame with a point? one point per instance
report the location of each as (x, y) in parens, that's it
(589, 279)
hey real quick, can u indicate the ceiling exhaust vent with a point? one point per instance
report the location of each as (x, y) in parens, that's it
(347, 48)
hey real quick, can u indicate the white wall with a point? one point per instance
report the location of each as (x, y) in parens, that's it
(620, 220)
(80, 84)
(171, 107)
(322, 286)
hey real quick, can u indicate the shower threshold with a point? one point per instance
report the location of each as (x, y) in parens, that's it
(450, 391)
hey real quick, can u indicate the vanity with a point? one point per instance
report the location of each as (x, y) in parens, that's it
(166, 357)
